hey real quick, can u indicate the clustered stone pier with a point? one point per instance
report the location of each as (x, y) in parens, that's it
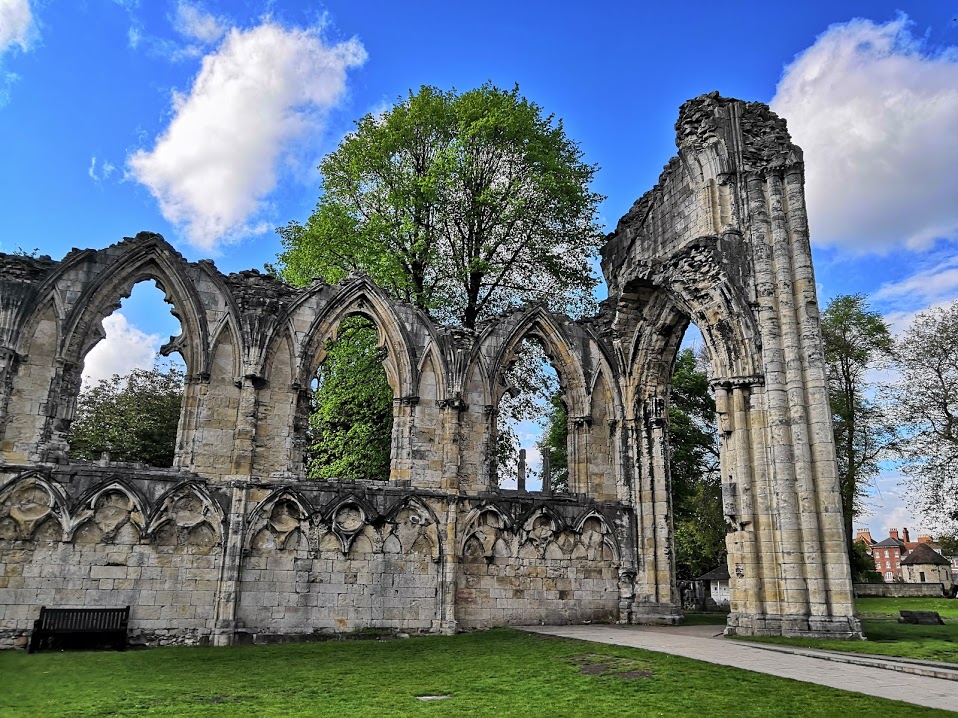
(232, 543)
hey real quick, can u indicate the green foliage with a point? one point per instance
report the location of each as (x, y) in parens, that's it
(927, 406)
(856, 340)
(862, 564)
(350, 425)
(501, 673)
(134, 417)
(555, 439)
(462, 204)
(949, 545)
(698, 524)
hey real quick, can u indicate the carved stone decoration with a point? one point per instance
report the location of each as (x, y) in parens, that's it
(279, 523)
(111, 515)
(348, 520)
(186, 520)
(25, 506)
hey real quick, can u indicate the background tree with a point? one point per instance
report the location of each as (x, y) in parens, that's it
(463, 204)
(856, 340)
(927, 407)
(134, 417)
(350, 425)
(862, 564)
(555, 440)
(698, 524)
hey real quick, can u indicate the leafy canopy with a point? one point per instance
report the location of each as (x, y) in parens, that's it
(462, 204)
(926, 402)
(133, 417)
(699, 526)
(350, 423)
(856, 341)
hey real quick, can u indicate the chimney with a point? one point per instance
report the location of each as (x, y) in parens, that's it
(894, 534)
(865, 535)
(905, 536)
(925, 538)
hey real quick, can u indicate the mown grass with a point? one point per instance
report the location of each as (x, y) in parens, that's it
(888, 638)
(498, 673)
(889, 607)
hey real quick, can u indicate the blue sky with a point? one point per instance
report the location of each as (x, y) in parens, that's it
(205, 122)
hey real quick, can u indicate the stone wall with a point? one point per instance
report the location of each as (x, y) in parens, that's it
(232, 541)
(899, 590)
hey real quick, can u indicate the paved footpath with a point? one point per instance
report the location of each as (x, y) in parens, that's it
(705, 643)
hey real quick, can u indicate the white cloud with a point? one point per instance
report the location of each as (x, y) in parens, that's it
(216, 162)
(133, 36)
(123, 349)
(887, 508)
(192, 21)
(875, 111)
(17, 28)
(106, 169)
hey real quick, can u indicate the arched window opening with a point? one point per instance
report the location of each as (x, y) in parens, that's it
(128, 407)
(699, 526)
(532, 424)
(349, 434)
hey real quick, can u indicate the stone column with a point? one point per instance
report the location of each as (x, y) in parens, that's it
(227, 588)
(656, 595)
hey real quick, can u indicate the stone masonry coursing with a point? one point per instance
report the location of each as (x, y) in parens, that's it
(232, 542)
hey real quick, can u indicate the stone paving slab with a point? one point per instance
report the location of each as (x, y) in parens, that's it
(701, 643)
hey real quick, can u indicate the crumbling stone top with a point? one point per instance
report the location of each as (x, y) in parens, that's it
(24, 268)
(254, 290)
(765, 139)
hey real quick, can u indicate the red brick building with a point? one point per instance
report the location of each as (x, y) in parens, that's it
(889, 553)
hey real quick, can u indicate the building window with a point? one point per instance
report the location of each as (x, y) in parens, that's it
(921, 576)
(888, 576)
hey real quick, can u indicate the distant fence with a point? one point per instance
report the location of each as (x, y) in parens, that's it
(899, 590)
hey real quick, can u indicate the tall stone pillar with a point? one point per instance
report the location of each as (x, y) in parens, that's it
(723, 238)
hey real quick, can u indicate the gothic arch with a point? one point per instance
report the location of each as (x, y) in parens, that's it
(359, 296)
(145, 259)
(538, 322)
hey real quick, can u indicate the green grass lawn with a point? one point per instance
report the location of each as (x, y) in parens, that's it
(889, 607)
(497, 673)
(887, 637)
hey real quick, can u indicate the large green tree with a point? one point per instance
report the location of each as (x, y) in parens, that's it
(462, 204)
(857, 340)
(350, 424)
(133, 417)
(926, 403)
(698, 524)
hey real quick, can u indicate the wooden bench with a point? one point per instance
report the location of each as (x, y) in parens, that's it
(60, 628)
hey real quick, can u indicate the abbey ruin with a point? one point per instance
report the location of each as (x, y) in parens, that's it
(233, 544)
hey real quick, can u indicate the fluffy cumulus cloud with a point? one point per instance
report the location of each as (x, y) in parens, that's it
(123, 349)
(16, 25)
(215, 164)
(18, 31)
(875, 110)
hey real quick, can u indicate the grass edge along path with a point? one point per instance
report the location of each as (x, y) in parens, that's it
(885, 638)
(501, 672)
